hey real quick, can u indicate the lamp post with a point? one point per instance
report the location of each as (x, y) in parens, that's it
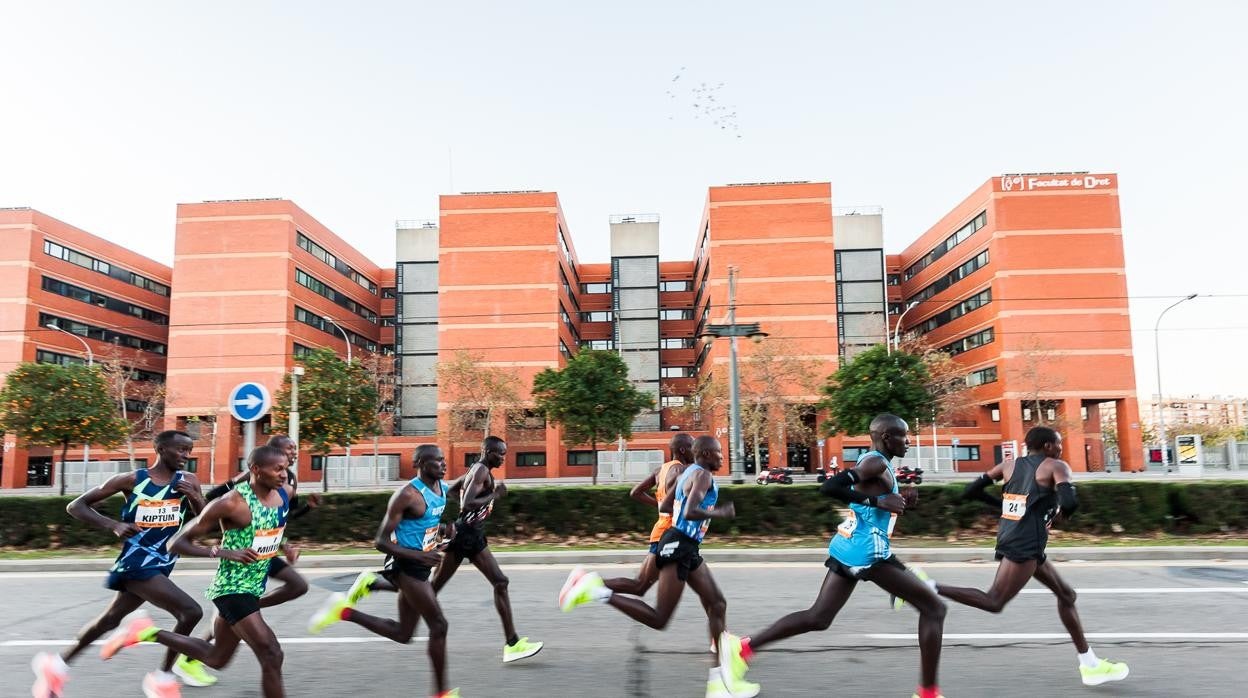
(86, 448)
(1161, 401)
(347, 477)
(893, 342)
(292, 420)
(733, 330)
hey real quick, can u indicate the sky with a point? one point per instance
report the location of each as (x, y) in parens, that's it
(363, 113)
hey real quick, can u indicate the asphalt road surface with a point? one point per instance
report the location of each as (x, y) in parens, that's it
(1182, 628)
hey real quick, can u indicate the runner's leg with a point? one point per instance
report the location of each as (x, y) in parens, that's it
(259, 636)
(161, 592)
(1011, 578)
(423, 602)
(122, 605)
(446, 570)
(832, 597)
(703, 584)
(216, 654)
(646, 577)
(900, 583)
(1047, 575)
(670, 589)
(293, 586)
(486, 562)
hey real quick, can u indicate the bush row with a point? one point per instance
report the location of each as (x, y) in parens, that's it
(559, 511)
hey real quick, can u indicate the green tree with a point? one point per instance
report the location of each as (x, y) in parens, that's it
(52, 405)
(591, 398)
(874, 382)
(337, 403)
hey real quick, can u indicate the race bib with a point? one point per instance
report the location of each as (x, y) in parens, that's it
(848, 526)
(267, 542)
(479, 515)
(431, 539)
(1013, 506)
(158, 513)
(892, 523)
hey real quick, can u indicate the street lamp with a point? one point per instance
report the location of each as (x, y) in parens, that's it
(1161, 401)
(733, 330)
(325, 473)
(86, 448)
(895, 338)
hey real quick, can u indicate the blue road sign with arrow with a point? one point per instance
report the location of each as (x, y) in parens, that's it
(249, 401)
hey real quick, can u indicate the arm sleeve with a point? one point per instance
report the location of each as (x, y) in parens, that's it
(219, 491)
(1066, 498)
(839, 486)
(297, 508)
(975, 490)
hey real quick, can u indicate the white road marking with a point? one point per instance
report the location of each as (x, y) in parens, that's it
(283, 640)
(1064, 636)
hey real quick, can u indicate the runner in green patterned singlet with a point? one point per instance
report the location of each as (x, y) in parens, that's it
(253, 518)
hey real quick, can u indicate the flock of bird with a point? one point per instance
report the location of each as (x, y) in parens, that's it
(704, 99)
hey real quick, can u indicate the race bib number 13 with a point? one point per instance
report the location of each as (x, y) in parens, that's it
(1013, 506)
(158, 513)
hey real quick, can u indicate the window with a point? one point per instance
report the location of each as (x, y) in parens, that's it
(966, 452)
(563, 247)
(957, 274)
(340, 266)
(596, 288)
(531, 460)
(675, 371)
(564, 350)
(853, 453)
(312, 319)
(597, 316)
(676, 314)
(89, 262)
(323, 289)
(946, 316)
(1083, 413)
(948, 244)
(673, 401)
(895, 308)
(471, 459)
(192, 465)
(101, 334)
(986, 375)
(676, 343)
(581, 458)
(672, 286)
(50, 357)
(318, 462)
(894, 279)
(969, 342)
(63, 288)
(388, 292)
(598, 344)
(301, 351)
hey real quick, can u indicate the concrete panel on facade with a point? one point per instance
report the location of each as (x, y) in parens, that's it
(638, 303)
(639, 334)
(416, 244)
(858, 231)
(634, 239)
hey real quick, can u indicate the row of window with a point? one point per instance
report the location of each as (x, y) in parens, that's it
(675, 371)
(982, 376)
(78, 293)
(102, 334)
(946, 316)
(665, 343)
(948, 244)
(664, 286)
(312, 319)
(342, 267)
(969, 342)
(111, 270)
(43, 356)
(676, 314)
(955, 275)
(321, 288)
(672, 401)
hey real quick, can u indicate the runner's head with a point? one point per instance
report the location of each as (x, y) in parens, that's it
(890, 435)
(1044, 441)
(429, 462)
(493, 451)
(707, 453)
(268, 467)
(287, 446)
(682, 448)
(173, 448)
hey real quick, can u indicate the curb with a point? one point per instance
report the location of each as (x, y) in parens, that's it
(755, 556)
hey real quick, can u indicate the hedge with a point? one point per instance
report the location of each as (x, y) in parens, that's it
(1107, 507)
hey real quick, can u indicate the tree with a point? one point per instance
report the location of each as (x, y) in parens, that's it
(875, 382)
(476, 394)
(337, 402)
(127, 390)
(1038, 376)
(380, 369)
(53, 405)
(591, 398)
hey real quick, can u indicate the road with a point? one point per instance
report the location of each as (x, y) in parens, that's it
(1182, 627)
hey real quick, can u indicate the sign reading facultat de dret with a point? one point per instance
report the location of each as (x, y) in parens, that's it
(1054, 182)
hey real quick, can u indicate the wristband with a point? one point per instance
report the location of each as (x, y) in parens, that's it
(213, 552)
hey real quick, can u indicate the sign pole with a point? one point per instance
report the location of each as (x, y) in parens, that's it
(249, 439)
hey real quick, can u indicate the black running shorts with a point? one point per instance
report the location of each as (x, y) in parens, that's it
(276, 565)
(1014, 556)
(857, 573)
(396, 566)
(469, 540)
(675, 548)
(235, 607)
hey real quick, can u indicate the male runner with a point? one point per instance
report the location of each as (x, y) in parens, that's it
(692, 502)
(194, 673)
(1037, 487)
(411, 533)
(251, 521)
(859, 550)
(151, 515)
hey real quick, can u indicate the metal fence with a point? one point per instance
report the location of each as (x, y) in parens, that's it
(629, 465)
(361, 470)
(80, 477)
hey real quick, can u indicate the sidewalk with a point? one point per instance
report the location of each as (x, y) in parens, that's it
(752, 555)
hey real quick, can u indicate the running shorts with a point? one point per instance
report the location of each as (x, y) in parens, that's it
(396, 566)
(857, 573)
(235, 607)
(469, 540)
(117, 580)
(675, 548)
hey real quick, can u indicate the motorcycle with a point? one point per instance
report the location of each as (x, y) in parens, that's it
(909, 476)
(779, 476)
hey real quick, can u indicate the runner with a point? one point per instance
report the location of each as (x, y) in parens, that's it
(151, 515)
(692, 502)
(859, 550)
(253, 519)
(194, 673)
(1037, 488)
(411, 534)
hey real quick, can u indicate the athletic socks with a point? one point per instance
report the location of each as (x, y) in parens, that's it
(747, 652)
(345, 614)
(149, 635)
(601, 594)
(928, 692)
(1089, 659)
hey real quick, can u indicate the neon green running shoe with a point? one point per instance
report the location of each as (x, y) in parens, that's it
(715, 687)
(329, 613)
(1104, 672)
(899, 603)
(586, 589)
(731, 662)
(453, 693)
(192, 672)
(361, 587)
(521, 650)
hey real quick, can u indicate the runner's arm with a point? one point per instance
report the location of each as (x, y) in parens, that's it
(189, 486)
(641, 491)
(400, 501)
(475, 495)
(83, 508)
(1066, 498)
(298, 507)
(217, 513)
(976, 490)
(872, 467)
(227, 487)
(698, 487)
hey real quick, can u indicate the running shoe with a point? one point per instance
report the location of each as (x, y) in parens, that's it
(193, 672)
(585, 590)
(522, 649)
(159, 684)
(731, 663)
(715, 687)
(329, 613)
(138, 629)
(1104, 672)
(896, 602)
(361, 588)
(573, 577)
(51, 673)
(453, 693)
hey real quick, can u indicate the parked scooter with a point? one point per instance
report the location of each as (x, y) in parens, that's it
(909, 476)
(778, 475)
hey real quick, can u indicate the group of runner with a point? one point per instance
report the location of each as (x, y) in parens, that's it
(249, 515)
